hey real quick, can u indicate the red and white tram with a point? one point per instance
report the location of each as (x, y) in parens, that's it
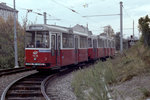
(51, 47)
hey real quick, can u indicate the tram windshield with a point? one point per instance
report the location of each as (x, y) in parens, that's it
(37, 39)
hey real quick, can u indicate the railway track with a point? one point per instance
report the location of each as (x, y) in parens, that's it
(13, 70)
(30, 87)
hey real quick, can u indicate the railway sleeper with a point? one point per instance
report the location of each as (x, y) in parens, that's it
(38, 94)
(26, 98)
(25, 88)
(24, 91)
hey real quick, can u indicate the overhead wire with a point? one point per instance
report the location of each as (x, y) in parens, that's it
(31, 11)
(74, 11)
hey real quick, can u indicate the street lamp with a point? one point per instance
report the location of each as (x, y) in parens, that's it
(15, 38)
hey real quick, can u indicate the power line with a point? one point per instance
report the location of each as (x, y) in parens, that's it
(101, 15)
(74, 11)
(31, 11)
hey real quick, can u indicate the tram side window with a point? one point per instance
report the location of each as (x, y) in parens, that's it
(100, 43)
(68, 40)
(113, 44)
(106, 46)
(109, 43)
(83, 42)
(95, 43)
(103, 44)
(89, 42)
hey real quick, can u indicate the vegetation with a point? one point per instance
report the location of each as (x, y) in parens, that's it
(7, 43)
(134, 61)
(144, 27)
(146, 92)
(89, 83)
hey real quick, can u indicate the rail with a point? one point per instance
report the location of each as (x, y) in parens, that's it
(13, 71)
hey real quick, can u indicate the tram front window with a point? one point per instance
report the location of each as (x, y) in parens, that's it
(37, 39)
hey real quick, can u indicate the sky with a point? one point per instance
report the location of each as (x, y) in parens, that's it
(62, 9)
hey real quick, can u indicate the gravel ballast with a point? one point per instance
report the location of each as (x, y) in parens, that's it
(60, 88)
(132, 89)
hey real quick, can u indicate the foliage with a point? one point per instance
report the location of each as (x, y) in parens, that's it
(144, 27)
(7, 43)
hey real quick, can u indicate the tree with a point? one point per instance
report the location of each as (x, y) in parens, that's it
(7, 43)
(144, 27)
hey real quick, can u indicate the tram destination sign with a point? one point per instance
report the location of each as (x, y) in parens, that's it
(36, 28)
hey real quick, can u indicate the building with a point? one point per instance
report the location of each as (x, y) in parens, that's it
(6, 11)
(81, 28)
(108, 31)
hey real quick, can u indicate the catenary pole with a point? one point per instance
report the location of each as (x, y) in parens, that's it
(15, 37)
(45, 18)
(121, 31)
(133, 28)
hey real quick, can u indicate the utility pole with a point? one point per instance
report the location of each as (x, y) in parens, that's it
(121, 31)
(133, 28)
(44, 17)
(15, 38)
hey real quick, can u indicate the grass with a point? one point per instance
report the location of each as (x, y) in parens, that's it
(89, 84)
(146, 92)
(133, 62)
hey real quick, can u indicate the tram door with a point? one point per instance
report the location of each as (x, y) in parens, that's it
(95, 48)
(76, 50)
(58, 49)
(55, 49)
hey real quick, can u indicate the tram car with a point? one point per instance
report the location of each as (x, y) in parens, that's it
(53, 47)
(50, 46)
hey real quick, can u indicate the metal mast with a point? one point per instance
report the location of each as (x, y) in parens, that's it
(121, 31)
(45, 18)
(133, 28)
(15, 38)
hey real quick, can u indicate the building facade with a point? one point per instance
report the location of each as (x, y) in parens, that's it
(7, 12)
(81, 28)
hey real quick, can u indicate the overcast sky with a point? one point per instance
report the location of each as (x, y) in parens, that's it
(60, 9)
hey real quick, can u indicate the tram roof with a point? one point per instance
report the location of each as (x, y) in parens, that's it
(46, 27)
(53, 28)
